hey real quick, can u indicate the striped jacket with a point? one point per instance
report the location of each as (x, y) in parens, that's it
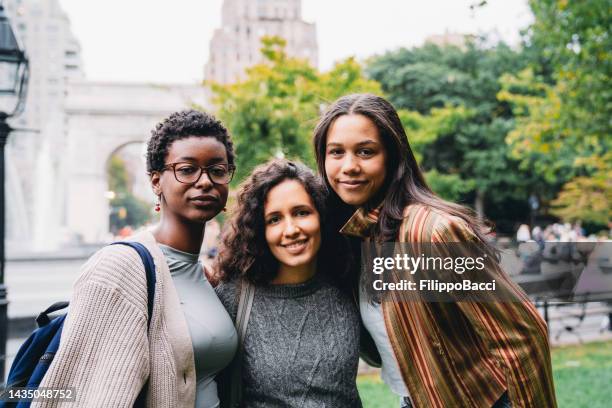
(463, 354)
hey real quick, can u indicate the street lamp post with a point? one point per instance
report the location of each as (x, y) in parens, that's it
(14, 69)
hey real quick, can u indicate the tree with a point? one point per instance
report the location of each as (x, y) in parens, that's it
(539, 140)
(126, 209)
(587, 199)
(454, 120)
(273, 111)
(575, 37)
(563, 105)
(423, 130)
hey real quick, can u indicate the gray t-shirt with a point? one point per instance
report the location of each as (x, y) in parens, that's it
(212, 332)
(301, 346)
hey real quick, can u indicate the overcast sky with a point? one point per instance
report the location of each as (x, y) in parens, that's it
(162, 41)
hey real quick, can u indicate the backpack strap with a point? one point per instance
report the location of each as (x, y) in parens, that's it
(149, 264)
(245, 303)
(43, 317)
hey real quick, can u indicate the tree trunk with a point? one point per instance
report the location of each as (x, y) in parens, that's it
(479, 203)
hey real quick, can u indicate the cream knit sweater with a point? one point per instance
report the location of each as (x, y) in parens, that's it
(105, 352)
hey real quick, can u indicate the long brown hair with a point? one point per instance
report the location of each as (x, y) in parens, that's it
(405, 183)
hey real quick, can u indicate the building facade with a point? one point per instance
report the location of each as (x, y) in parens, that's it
(56, 169)
(43, 30)
(236, 45)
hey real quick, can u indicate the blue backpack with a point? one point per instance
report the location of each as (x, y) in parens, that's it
(37, 353)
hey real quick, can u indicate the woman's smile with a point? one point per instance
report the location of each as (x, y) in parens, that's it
(296, 247)
(352, 184)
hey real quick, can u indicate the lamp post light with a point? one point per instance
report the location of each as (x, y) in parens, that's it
(14, 70)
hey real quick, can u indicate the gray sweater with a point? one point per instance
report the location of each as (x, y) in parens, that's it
(301, 346)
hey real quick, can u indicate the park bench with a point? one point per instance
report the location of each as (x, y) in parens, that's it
(553, 294)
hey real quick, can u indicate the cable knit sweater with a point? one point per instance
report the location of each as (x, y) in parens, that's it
(301, 347)
(105, 352)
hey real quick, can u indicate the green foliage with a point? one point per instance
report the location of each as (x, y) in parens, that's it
(448, 186)
(539, 140)
(273, 111)
(126, 209)
(575, 37)
(431, 76)
(118, 178)
(587, 198)
(563, 104)
(454, 121)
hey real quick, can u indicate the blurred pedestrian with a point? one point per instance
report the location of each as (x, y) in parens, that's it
(522, 234)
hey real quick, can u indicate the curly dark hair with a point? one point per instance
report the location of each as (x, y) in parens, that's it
(244, 252)
(180, 125)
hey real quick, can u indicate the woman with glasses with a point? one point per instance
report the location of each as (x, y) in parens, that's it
(106, 353)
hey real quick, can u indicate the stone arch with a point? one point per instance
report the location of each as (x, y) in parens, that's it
(121, 147)
(89, 206)
(102, 118)
(140, 197)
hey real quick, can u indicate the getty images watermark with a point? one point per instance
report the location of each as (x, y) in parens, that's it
(413, 264)
(448, 272)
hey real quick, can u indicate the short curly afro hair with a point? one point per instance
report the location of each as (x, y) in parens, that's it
(181, 125)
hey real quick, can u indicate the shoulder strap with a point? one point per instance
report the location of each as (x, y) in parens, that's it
(149, 265)
(43, 317)
(247, 292)
(245, 303)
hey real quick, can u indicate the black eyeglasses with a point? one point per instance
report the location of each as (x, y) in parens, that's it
(189, 173)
